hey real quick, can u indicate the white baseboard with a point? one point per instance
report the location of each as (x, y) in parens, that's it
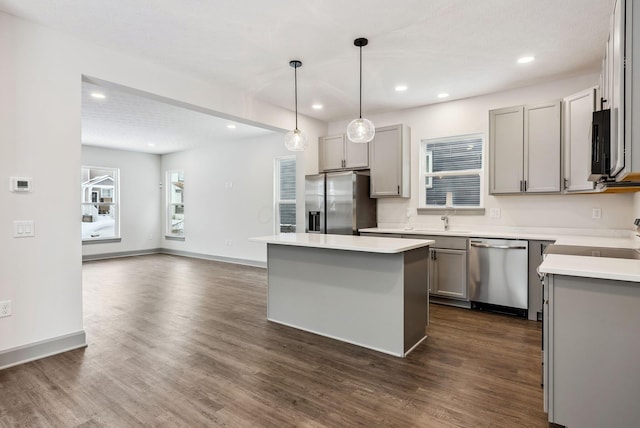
(45, 348)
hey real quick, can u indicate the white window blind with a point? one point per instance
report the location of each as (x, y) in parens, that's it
(452, 165)
(285, 197)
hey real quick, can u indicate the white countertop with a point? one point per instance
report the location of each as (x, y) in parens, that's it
(581, 266)
(370, 244)
(592, 267)
(564, 237)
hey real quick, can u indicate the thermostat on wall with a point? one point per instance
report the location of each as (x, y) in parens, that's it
(20, 184)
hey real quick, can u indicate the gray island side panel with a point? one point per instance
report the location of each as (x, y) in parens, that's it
(416, 296)
(356, 297)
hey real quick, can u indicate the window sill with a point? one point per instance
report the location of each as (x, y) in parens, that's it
(101, 241)
(452, 211)
(174, 238)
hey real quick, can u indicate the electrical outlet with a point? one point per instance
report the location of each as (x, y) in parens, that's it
(596, 213)
(229, 242)
(5, 308)
(494, 213)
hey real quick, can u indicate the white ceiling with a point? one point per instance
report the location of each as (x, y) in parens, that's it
(462, 47)
(127, 121)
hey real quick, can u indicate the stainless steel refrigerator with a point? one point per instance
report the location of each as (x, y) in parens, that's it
(339, 203)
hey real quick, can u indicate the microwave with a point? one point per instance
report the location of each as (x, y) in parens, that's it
(601, 145)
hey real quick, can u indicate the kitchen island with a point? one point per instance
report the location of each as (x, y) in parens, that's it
(367, 291)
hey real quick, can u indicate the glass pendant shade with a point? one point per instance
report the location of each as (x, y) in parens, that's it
(296, 141)
(361, 130)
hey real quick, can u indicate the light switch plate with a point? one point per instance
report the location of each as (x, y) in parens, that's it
(23, 229)
(596, 213)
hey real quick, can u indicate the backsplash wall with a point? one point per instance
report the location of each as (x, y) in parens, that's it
(469, 116)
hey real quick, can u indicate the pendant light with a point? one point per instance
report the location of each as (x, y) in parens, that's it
(361, 130)
(295, 140)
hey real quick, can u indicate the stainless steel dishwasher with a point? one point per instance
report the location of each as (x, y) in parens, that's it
(498, 275)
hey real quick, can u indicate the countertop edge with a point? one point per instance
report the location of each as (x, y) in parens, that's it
(591, 267)
(302, 240)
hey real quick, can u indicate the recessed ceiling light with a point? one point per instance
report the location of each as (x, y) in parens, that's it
(443, 95)
(151, 144)
(98, 95)
(317, 106)
(231, 126)
(525, 59)
(401, 88)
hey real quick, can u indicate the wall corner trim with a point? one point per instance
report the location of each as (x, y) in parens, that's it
(45, 348)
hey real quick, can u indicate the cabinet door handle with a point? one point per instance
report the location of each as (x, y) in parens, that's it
(521, 185)
(398, 189)
(525, 185)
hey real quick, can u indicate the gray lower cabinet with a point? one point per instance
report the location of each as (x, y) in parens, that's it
(536, 250)
(591, 349)
(448, 273)
(447, 266)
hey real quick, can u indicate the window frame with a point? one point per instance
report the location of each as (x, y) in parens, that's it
(114, 204)
(277, 200)
(425, 178)
(169, 206)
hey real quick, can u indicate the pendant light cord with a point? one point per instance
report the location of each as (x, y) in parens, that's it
(360, 82)
(295, 78)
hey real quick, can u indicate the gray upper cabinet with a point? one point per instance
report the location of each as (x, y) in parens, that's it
(337, 152)
(389, 161)
(524, 149)
(506, 142)
(577, 114)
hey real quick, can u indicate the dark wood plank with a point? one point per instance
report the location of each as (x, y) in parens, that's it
(176, 341)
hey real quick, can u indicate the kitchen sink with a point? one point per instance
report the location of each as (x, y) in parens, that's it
(451, 232)
(578, 250)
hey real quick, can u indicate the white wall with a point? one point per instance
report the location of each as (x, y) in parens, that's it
(471, 115)
(228, 196)
(40, 83)
(140, 204)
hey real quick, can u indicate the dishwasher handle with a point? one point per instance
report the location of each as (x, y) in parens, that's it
(502, 247)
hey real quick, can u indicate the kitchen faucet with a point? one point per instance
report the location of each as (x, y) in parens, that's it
(446, 221)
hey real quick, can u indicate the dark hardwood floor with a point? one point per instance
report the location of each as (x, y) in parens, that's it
(176, 341)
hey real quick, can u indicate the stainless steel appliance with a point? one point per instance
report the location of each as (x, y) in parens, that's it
(498, 275)
(600, 145)
(339, 203)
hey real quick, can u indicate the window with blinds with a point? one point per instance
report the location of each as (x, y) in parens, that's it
(285, 194)
(451, 166)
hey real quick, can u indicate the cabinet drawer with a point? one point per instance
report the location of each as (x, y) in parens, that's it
(448, 242)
